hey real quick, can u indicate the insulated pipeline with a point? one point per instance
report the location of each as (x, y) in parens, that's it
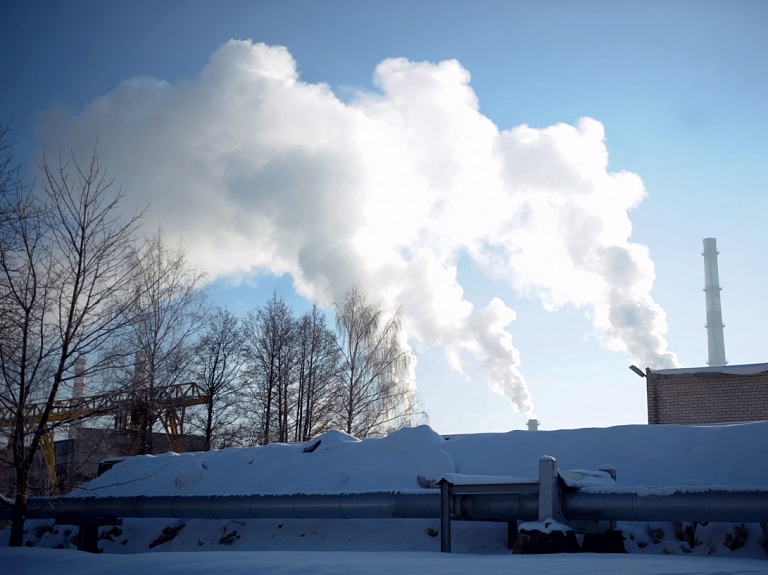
(725, 505)
(375, 505)
(497, 507)
(737, 505)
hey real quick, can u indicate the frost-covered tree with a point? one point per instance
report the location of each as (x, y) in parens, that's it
(373, 391)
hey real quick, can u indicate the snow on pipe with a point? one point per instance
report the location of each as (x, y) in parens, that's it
(612, 504)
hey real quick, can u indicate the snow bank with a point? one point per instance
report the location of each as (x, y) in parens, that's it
(412, 458)
(658, 455)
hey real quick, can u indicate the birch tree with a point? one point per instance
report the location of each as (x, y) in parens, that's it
(373, 389)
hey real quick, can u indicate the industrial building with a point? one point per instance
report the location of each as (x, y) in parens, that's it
(704, 395)
(71, 453)
(715, 394)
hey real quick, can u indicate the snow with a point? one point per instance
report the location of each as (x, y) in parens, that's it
(747, 369)
(435, 467)
(643, 455)
(358, 563)
(663, 456)
(458, 479)
(23, 560)
(584, 478)
(546, 526)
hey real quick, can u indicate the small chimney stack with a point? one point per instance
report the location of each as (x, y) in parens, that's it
(533, 424)
(715, 339)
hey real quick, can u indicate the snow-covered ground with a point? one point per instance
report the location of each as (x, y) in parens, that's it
(723, 455)
(44, 561)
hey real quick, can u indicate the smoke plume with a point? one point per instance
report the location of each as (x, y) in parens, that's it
(259, 171)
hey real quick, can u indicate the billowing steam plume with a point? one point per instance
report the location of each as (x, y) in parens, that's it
(259, 171)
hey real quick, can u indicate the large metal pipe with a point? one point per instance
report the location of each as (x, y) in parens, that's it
(715, 338)
(497, 507)
(299, 506)
(662, 504)
(688, 504)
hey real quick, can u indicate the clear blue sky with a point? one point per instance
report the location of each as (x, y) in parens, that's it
(680, 89)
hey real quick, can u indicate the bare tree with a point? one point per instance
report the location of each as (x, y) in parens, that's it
(372, 382)
(65, 274)
(166, 314)
(217, 367)
(316, 376)
(270, 338)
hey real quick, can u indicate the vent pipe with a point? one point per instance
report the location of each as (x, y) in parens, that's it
(715, 340)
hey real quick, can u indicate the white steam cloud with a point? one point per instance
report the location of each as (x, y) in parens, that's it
(259, 171)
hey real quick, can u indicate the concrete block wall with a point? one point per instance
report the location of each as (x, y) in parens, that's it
(707, 397)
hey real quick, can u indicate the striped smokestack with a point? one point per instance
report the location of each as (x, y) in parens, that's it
(715, 341)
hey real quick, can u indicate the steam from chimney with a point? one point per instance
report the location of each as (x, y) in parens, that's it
(259, 172)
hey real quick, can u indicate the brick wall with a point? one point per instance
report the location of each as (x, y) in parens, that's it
(706, 397)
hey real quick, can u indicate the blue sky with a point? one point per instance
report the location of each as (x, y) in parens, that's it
(678, 87)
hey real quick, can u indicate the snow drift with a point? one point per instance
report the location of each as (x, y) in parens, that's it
(723, 455)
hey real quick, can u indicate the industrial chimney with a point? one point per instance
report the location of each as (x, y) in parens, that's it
(716, 343)
(78, 389)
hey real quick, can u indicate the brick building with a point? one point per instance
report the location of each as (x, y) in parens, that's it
(701, 395)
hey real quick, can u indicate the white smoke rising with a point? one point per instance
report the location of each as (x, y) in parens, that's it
(259, 171)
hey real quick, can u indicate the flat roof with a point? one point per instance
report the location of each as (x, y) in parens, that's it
(748, 369)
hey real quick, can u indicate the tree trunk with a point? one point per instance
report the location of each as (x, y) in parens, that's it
(19, 506)
(208, 424)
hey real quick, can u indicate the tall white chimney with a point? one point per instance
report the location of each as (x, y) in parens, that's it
(715, 341)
